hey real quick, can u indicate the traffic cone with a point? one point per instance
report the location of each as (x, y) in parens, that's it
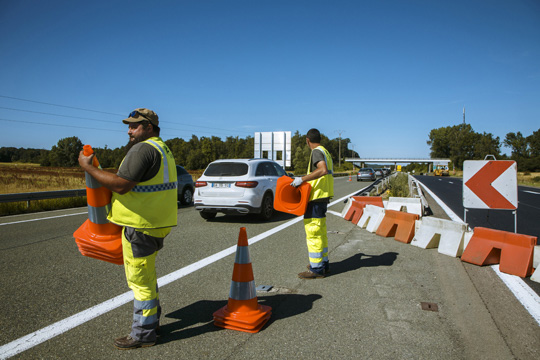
(350, 177)
(290, 199)
(97, 237)
(242, 312)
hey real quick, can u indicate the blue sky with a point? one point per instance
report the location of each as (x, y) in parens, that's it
(382, 73)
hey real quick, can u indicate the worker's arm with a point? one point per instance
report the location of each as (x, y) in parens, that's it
(320, 171)
(109, 180)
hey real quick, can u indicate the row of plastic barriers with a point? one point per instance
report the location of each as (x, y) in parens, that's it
(402, 219)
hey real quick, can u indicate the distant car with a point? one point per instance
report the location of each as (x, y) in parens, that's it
(386, 171)
(379, 173)
(238, 186)
(366, 174)
(186, 186)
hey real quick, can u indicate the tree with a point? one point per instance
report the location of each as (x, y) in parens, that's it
(66, 152)
(534, 143)
(518, 144)
(486, 144)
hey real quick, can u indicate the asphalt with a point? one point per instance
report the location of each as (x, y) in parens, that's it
(383, 299)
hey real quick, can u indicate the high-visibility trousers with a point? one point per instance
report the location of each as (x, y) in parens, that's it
(142, 279)
(316, 235)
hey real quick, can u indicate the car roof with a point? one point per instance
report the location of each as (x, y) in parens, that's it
(242, 160)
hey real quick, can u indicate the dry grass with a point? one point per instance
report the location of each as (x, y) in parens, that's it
(20, 178)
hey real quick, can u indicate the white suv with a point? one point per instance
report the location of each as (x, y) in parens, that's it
(237, 186)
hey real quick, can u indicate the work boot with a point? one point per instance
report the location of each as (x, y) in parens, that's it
(310, 275)
(127, 343)
(326, 269)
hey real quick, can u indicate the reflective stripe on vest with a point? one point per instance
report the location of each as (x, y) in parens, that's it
(159, 187)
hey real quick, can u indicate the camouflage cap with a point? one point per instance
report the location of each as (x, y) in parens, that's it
(142, 114)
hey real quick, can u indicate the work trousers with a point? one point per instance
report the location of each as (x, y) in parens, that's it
(140, 252)
(316, 236)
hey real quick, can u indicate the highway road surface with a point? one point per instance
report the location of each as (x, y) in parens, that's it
(382, 300)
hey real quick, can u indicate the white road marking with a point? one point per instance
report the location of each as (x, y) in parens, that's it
(531, 192)
(37, 337)
(528, 298)
(45, 218)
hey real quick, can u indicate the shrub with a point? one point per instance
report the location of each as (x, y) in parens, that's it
(399, 185)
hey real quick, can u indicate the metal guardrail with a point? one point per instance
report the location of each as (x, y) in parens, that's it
(41, 195)
(44, 195)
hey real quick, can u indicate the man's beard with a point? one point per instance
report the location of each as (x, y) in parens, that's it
(133, 142)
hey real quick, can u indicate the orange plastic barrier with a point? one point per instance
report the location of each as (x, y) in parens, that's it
(97, 237)
(359, 203)
(398, 224)
(242, 312)
(290, 199)
(513, 251)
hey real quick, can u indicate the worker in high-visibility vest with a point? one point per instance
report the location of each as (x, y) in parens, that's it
(320, 176)
(144, 203)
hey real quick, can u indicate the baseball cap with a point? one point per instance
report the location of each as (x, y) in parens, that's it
(142, 114)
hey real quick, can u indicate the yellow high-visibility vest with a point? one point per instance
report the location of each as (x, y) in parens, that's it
(150, 204)
(322, 187)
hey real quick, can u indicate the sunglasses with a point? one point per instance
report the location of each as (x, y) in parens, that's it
(134, 114)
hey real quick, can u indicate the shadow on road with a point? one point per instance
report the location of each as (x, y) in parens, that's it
(362, 260)
(197, 318)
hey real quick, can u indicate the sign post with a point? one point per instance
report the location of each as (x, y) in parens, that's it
(490, 184)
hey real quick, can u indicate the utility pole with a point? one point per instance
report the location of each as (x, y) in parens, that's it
(464, 115)
(340, 132)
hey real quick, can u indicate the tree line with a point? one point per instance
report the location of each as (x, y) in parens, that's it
(460, 142)
(457, 143)
(193, 154)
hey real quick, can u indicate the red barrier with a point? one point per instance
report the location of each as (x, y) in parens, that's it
(398, 224)
(513, 251)
(356, 210)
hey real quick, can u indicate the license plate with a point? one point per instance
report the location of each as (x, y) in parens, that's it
(221, 185)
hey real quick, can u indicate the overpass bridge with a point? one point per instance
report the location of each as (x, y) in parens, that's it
(360, 162)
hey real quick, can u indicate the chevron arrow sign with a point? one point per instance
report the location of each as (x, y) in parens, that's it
(490, 184)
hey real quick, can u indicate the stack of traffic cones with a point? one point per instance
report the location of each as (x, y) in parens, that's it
(97, 237)
(242, 312)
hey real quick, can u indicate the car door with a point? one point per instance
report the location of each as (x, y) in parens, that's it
(267, 176)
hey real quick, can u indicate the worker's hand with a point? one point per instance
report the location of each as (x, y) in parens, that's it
(297, 181)
(85, 161)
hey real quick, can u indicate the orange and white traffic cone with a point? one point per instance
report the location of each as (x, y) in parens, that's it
(97, 237)
(350, 177)
(242, 312)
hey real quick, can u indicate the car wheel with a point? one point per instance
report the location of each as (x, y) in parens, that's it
(207, 215)
(187, 196)
(267, 207)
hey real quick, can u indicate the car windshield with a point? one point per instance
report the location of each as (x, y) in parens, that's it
(226, 169)
(366, 170)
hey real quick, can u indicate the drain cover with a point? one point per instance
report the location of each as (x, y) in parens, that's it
(429, 306)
